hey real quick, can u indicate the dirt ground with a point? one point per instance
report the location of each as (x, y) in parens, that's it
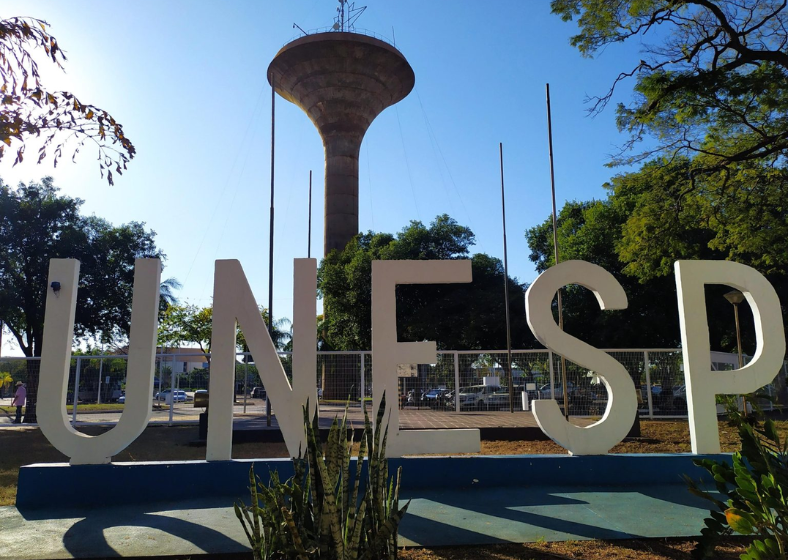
(22, 446)
(641, 549)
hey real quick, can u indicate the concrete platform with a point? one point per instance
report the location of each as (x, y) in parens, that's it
(455, 500)
(439, 517)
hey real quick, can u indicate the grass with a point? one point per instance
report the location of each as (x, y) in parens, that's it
(92, 407)
(103, 407)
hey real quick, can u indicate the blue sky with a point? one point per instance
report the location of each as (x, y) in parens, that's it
(187, 80)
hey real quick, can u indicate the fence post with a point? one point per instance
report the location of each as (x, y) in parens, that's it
(76, 393)
(246, 379)
(646, 365)
(101, 368)
(172, 387)
(552, 374)
(363, 380)
(456, 381)
(161, 371)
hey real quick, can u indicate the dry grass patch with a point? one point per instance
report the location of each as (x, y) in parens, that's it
(640, 549)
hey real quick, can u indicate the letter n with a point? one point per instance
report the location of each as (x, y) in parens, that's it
(234, 304)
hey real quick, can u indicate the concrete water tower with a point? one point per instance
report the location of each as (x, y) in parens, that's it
(342, 80)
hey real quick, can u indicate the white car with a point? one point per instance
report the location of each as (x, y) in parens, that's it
(177, 396)
(476, 396)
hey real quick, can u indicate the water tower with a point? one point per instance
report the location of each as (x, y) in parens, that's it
(342, 80)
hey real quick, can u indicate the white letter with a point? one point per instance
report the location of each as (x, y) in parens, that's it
(56, 356)
(387, 353)
(702, 383)
(597, 438)
(233, 300)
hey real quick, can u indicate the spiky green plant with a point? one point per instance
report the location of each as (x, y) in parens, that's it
(278, 515)
(317, 513)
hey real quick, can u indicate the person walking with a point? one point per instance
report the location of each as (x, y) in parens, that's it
(19, 401)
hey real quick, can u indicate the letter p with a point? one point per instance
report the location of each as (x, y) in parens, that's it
(702, 383)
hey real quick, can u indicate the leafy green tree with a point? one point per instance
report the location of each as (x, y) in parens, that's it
(167, 297)
(191, 324)
(739, 214)
(456, 316)
(591, 231)
(29, 110)
(36, 225)
(654, 217)
(186, 324)
(712, 81)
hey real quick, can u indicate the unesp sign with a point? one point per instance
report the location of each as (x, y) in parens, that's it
(234, 304)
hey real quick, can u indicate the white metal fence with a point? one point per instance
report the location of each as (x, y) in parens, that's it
(460, 381)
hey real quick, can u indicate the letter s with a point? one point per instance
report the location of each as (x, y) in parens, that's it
(599, 437)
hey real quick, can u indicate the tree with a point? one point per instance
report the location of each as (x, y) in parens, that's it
(456, 316)
(29, 110)
(190, 324)
(712, 87)
(652, 218)
(187, 324)
(167, 297)
(6, 380)
(740, 215)
(591, 231)
(37, 224)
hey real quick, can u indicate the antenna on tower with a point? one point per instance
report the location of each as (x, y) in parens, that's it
(295, 25)
(346, 17)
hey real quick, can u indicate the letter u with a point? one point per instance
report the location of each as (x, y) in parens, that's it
(56, 357)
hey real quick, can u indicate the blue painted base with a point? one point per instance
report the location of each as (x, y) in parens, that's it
(146, 483)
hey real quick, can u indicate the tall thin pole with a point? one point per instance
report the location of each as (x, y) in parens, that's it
(271, 243)
(309, 229)
(506, 291)
(741, 356)
(555, 246)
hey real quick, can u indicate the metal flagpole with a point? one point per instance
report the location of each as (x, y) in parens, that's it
(271, 243)
(555, 246)
(309, 229)
(506, 291)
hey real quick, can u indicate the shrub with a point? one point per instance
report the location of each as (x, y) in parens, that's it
(317, 513)
(756, 487)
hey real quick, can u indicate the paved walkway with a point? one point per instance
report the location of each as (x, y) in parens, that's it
(434, 518)
(255, 418)
(517, 500)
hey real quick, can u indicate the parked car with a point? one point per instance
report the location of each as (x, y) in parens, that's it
(499, 400)
(258, 393)
(679, 398)
(476, 396)
(122, 399)
(434, 397)
(544, 390)
(165, 395)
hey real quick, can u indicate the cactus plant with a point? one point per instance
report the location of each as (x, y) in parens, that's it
(317, 513)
